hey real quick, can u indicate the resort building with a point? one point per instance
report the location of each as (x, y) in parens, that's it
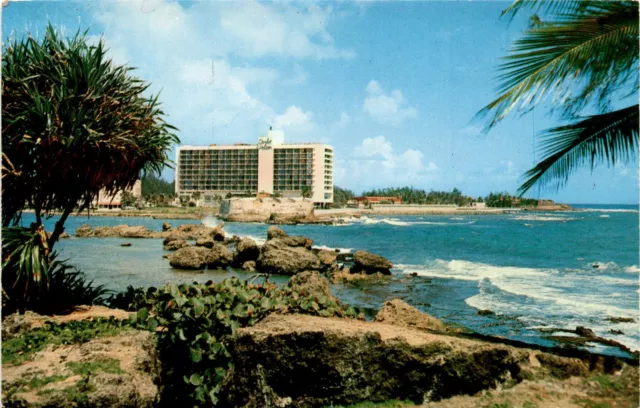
(267, 168)
(114, 201)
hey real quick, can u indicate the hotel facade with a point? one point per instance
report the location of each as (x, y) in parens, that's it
(268, 167)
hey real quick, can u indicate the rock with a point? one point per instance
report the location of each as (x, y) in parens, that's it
(189, 258)
(327, 258)
(399, 313)
(343, 274)
(171, 237)
(485, 312)
(64, 235)
(124, 231)
(219, 257)
(206, 242)
(275, 232)
(614, 331)
(286, 260)
(585, 332)
(246, 250)
(133, 384)
(175, 244)
(307, 361)
(217, 233)
(199, 257)
(620, 319)
(297, 241)
(312, 283)
(84, 230)
(233, 240)
(371, 263)
(166, 226)
(126, 244)
(249, 266)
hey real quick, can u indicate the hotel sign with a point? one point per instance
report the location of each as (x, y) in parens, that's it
(264, 143)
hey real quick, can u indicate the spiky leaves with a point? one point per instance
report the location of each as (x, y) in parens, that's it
(74, 123)
(584, 58)
(608, 138)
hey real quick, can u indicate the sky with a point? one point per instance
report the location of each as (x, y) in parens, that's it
(393, 86)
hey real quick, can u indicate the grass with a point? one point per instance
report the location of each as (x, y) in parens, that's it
(385, 404)
(111, 366)
(17, 350)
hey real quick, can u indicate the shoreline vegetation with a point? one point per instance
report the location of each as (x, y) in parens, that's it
(322, 216)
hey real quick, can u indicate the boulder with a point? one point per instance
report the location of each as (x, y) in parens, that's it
(249, 266)
(135, 232)
(371, 263)
(218, 233)
(166, 226)
(84, 230)
(189, 258)
(308, 361)
(399, 313)
(275, 232)
(206, 242)
(126, 244)
(64, 235)
(297, 241)
(327, 258)
(312, 283)
(175, 244)
(246, 250)
(124, 372)
(584, 332)
(171, 237)
(219, 257)
(286, 260)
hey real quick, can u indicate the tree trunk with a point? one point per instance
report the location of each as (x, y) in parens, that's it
(59, 228)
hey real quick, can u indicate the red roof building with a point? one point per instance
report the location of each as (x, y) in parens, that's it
(379, 200)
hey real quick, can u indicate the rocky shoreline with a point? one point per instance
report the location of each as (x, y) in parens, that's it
(296, 360)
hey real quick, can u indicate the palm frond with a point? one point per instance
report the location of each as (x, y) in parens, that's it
(594, 51)
(606, 138)
(545, 6)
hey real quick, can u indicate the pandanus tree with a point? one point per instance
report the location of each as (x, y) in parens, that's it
(585, 55)
(73, 123)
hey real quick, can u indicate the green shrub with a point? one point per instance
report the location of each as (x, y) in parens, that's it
(195, 322)
(37, 281)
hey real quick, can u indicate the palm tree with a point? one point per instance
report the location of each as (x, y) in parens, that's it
(73, 123)
(586, 55)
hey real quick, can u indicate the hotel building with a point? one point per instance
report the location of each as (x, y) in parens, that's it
(269, 167)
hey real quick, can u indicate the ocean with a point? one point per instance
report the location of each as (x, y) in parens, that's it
(534, 270)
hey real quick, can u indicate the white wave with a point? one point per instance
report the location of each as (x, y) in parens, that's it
(341, 250)
(612, 210)
(605, 216)
(544, 218)
(457, 218)
(632, 269)
(398, 223)
(548, 286)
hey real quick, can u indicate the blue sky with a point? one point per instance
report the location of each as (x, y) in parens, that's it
(393, 86)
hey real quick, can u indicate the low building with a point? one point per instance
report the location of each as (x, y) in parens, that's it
(378, 200)
(113, 201)
(268, 168)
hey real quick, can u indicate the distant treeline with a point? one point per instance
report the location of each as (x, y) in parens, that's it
(506, 200)
(152, 185)
(410, 195)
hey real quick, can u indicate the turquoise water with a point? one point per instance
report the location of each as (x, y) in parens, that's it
(533, 270)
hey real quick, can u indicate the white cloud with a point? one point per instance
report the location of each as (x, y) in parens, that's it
(213, 88)
(375, 163)
(388, 108)
(258, 29)
(294, 119)
(344, 120)
(298, 77)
